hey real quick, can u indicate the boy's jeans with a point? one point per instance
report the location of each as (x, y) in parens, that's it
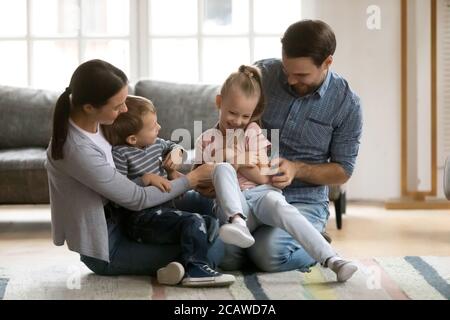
(130, 257)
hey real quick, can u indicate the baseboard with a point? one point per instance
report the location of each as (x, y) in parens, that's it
(412, 204)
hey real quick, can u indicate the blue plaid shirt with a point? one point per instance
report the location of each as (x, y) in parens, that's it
(324, 126)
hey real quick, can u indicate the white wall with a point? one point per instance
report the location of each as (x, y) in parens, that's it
(370, 61)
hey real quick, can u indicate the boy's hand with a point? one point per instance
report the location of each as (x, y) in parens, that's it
(155, 180)
(174, 160)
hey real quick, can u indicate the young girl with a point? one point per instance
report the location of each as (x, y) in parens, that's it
(138, 153)
(244, 197)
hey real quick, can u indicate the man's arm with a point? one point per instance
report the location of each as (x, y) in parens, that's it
(319, 174)
(343, 152)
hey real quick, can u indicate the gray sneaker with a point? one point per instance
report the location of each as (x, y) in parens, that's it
(170, 274)
(201, 275)
(344, 269)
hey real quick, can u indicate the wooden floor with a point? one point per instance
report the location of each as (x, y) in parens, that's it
(368, 231)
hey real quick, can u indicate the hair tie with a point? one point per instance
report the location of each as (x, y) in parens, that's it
(248, 73)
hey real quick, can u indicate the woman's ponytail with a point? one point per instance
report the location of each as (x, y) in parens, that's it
(60, 124)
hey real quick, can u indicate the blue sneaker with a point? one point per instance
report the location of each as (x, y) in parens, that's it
(201, 275)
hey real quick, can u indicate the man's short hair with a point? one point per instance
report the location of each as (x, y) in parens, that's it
(309, 38)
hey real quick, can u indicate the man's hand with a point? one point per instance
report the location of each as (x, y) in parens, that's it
(157, 181)
(287, 171)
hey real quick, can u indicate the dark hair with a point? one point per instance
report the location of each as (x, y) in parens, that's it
(309, 38)
(93, 82)
(130, 122)
(248, 80)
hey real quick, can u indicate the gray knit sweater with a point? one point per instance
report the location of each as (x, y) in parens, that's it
(81, 184)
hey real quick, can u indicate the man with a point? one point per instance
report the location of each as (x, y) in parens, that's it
(320, 123)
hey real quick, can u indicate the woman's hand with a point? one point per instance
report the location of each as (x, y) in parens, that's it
(200, 176)
(206, 191)
(172, 175)
(155, 180)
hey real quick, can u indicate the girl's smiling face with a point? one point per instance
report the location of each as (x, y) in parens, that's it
(235, 109)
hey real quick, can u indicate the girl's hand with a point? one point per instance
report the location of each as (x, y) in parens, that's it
(155, 180)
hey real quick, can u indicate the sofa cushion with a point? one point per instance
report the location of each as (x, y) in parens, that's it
(23, 178)
(179, 105)
(26, 116)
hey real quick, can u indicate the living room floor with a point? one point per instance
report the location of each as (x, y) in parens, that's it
(369, 230)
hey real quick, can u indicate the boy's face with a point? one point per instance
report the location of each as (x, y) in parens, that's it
(149, 132)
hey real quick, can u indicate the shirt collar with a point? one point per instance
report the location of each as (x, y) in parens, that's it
(323, 88)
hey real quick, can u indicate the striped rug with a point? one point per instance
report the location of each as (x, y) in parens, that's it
(398, 278)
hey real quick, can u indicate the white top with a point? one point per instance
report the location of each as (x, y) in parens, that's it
(99, 139)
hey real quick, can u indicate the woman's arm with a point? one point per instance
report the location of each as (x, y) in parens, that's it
(88, 165)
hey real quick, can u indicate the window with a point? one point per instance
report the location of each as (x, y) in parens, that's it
(205, 40)
(42, 41)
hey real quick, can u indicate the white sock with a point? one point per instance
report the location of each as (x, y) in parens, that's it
(237, 219)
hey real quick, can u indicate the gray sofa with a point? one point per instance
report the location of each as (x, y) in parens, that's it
(25, 130)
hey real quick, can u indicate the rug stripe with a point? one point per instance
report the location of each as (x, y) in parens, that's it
(356, 288)
(440, 264)
(252, 283)
(158, 291)
(283, 285)
(409, 279)
(389, 285)
(317, 285)
(3, 284)
(430, 275)
(239, 290)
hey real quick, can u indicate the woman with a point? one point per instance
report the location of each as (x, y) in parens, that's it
(84, 184)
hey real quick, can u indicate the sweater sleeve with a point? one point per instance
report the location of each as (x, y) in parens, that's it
(89, 166)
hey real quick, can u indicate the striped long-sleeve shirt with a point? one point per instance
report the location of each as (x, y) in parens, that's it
(135, 162)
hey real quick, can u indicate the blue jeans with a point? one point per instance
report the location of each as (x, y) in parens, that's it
(128, 257)
(274, 249)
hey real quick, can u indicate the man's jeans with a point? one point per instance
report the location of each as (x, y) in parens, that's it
(274, 249)
(130, 257)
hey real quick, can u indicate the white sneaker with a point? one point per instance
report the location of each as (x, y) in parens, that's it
(170, 274)
(236, 234)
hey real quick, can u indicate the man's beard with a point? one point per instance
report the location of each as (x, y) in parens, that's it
(304, 90)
